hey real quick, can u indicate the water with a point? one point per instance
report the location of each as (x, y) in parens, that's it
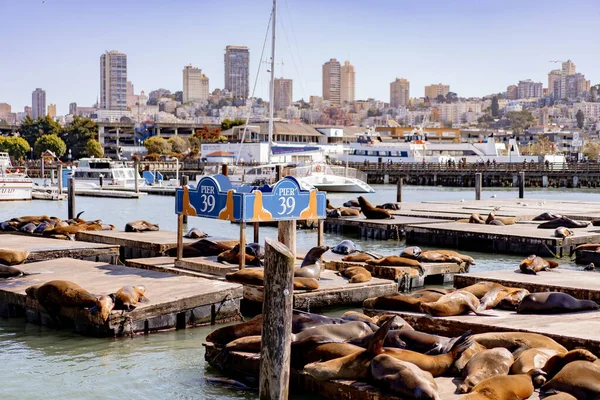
(61, 365)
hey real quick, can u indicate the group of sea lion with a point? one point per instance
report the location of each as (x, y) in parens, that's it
(354, 208)
(491, 219)
(141, 226)
(56, 294)
(388, 353)
(53, 226)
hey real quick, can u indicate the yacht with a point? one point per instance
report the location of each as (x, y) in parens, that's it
(115, 174)
(331, 178)
(14, 185)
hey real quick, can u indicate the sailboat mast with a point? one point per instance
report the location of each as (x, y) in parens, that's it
(272, 85)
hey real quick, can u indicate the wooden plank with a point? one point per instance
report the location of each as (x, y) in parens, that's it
(207, 265)
(155, 241)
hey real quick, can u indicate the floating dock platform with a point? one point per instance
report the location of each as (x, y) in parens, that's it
(174, 301)
(520, 238)
(587, 256)
(135, 244)
(378, 229)
(115, 194)
(583, 285)
(42, 248)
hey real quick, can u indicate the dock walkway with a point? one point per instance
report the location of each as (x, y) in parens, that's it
(378, 229)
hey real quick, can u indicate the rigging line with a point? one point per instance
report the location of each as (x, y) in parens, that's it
(287, 6)
(292, 57)
(262, 53)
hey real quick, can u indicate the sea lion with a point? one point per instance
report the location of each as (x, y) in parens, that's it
(348, 212)
(358, 257)
(28, 228)
(589, 267)
(480, 289)
(311, 265)
(140, 226)
(13, 257)
(356, 274)
(255, 276)
(396, 261)
(456, 303)
(531, 359)
(371, 212)
(553, 303)
(8, 226)
(335, 213)
(496, 296)
(358, 316)
(44, 226)
(127, 297)
(556, 362)
(586, 246)
(6, 271)
(403, 378)
(31, 218)
(560, 396)
(412, 252)
(563, 221)
(232, 256)
(108, 227)
(496, 222)
(404, 302)
(195, 233)
(579, 378)
(445, 256)
(562, 232)
(547, 216)
(514, 341)
(505, 387)
(351, 203)
(534, 264)
(301, 283)
(409, 339)
(204, 248)
(336, 332)
(484, 365)
(345, 247)
(389, 206)
(475, 218)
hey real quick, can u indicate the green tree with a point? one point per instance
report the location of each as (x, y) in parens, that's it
(451, 97)
(50, 142)
(495, 107)
(3, 122)
(179, 144)
(17, 147)
(440, 98)
(76, 135)
(32, 129)
(194, 142)
(93, 148)
(157, 145)
(520, 120)
(591, 150)
(580, 119)
(226, 124)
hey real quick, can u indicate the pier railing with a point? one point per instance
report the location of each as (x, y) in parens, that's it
(395, 168)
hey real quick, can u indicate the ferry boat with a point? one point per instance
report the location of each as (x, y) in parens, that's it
(116, 174)
(14, 185)
(332, 178)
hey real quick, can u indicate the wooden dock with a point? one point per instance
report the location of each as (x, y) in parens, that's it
(587, 256)
(520, 238)
(113, 194)
(135, 244)
(175, 301)
(42, 248)
(583, 285)
(378, 229)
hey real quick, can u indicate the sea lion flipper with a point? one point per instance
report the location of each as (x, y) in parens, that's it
(375, 344)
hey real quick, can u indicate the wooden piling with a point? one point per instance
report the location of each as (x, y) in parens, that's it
(286, 234)
(185, 180)
(278, 172)
(71, 198)
(277, 321)
(224, 169)
(242, 252)
(522, 185)
(478, 186)
(136, 166)
(320, 233)
(399, 190)
(256, 232)
(179, 236)
(60, 179)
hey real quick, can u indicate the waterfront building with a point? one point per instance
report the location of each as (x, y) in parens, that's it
(331, 82)
(113, 81)
(435, 90)
(195, 84)
(528, 89)
(283, 93)
(399, 93)
(38, 103)
(237, 71)
(52, 110)
(347, 83)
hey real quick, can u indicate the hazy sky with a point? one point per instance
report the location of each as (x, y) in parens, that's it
(477, 47)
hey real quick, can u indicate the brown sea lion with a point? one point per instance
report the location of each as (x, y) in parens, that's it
(456, 303)
(195, 233)
(13, 257)
(127, 297)
(476, 219)
(562, 232)
(358, 257)
(358, 316)
(505, 387)
(256, 276)
(6, 271)
(351, 203)
(534, 264)
(409, 339)
(31, 218)
(514, 341)
(531, 359)
(585, 246)
(348, 212)
(403, 378)
(495, 296)
(547, 216)
(311, 265)
(356, 274)
(560, 396)
(395, 261)
(556, 362)
(397, 322)
(233, 256)
(553, 303)
(371, 212)
(480, 289)
(563, 221)
(579, 378)
(336, 332)
(389, 206)
(140, 226)
(249, 344)
(301, 283)
(484, 365)
(404, 302)
(445, 256)
(204, 248)
(317, 348)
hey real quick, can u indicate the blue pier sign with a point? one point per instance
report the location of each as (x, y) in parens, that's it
(214, 197)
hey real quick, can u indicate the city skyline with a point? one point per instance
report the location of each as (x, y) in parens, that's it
(487, 53)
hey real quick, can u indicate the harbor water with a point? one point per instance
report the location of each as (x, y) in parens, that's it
(61, 365)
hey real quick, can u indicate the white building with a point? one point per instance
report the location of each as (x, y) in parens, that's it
(590, 110)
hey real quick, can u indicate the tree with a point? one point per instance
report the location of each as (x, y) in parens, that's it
(32, 129)
(207, 134)
(520, 120)
(440, 98)
(93, 148)
(495, 107)
(76, 135)
(580, 119)
(540, 148)
(3, 122)
(451, 97)
(591, 150)
(157, 145)
(194, 142)
(17, 147)
(179, 144)
(50, 142)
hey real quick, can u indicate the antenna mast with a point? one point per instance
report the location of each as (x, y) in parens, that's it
(272, 85)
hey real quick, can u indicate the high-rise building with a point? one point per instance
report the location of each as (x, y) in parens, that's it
(283, 93)
(347, 83)
(28, 110)
(528, 88)
(399, 93)
(554, 81)
(5, 110)
(568, 68)
(435, 90)
(512, 92)
(331, 82)
(73, 108)
(52, 110)
(576, 86)
(195, 84)
(38, 103)
(113, 81)
(237, 71)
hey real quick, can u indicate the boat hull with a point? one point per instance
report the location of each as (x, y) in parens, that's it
(341, 188)
(15, 191)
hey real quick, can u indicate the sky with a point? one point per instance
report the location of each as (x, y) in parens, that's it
(477, 47)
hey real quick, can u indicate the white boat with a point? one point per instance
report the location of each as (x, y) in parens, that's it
(331, 178)
(115, 174)
(14, 185)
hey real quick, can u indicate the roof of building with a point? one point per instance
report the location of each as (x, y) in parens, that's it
(220, 153)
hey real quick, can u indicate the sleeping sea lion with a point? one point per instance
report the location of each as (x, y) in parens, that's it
(13, 257)
(335, 213)
(563, 221)
(348, 212)
(404, 302)
(44, 226)
(311, 265)
(140, 226)
(562, 232)
(445, 256)
(534, 264)
(480, 289)
(403, 378)
(395, 261)
(232, 256)
(554, 303)
(28, 228)
(484, 365)
(31, 218)
(412, 252)
(204, 248)
(351, 203)
(356, 274)
(127, 297)
(195, 233)
(475, 218)
(589, 267)
(531, 359)
(455, 303)
(358, 316)
(335, 332)
(389, 206)
(6, 271)
(358, 257)
(547, 216)
(409, 339)
(494, 297)
(371, 212)
(256, 276)
(579, 378)
(496, 222)
(556, 362)
(514, 341)
(505, 387)
(345, 247)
